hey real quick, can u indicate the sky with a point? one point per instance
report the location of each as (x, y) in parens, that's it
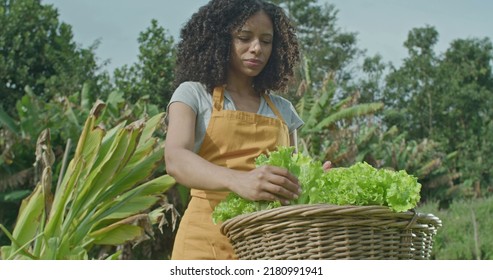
(381, 25)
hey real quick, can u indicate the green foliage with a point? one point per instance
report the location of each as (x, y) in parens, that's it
(33, 116)
(235, 205)
(442, 102)
(152, 76)
(466, 230)
(103, 198)
(359, 184)
(371, 83)
(409, 94)
(38, 51)
(362, 184)
(308, 170)
(64, 117)
(448, 100)
(426, 160)
(322, 42)
(467, 66)
(331, 125)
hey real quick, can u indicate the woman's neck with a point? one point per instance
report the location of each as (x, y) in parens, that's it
(243, 87)
(244, 95)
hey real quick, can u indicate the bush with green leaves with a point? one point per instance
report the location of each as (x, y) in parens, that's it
(466, 231)
(64, 116)
(110, 193)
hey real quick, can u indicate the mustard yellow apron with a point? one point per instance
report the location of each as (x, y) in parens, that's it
(233, 139)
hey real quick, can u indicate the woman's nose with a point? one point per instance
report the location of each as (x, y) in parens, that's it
(255, 46)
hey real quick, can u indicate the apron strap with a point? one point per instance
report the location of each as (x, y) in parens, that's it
(218, 102)
(273, 107)
(218, 99)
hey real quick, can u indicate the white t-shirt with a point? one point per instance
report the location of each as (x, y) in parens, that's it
(196, 96)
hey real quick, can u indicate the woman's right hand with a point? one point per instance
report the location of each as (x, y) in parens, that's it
(327, 166)
(268, 183)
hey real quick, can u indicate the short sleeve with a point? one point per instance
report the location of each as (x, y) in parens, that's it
(186, 93)
(288, 112)
(296, 122)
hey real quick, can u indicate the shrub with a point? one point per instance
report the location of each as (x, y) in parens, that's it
(466, 232)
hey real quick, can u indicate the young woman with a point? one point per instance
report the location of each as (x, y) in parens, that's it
(232, 55)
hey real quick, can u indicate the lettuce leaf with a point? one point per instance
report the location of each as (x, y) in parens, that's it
(360, 184)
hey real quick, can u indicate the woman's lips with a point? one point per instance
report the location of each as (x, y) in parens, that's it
(254, 63)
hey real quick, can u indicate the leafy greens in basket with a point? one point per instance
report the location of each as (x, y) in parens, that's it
(360, 184)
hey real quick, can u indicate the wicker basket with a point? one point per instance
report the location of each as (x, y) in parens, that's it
(316, 232)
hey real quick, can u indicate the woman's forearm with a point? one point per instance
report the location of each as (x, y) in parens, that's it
(191, 170)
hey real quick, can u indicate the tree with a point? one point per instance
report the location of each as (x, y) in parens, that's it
(328, 49)
(466, 109)
(152, 75)
(38, 51)
(466, 86)
(332, 127)
(371, 81)
(409, 94)
(447, 99)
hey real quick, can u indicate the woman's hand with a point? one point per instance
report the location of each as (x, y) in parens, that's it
(327, 166)
(268, 183)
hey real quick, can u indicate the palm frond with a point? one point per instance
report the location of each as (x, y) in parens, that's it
(349, 113)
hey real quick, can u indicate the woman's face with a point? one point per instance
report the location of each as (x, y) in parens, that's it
(252, 46)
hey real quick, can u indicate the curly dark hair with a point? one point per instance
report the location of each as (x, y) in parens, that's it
(205, 45)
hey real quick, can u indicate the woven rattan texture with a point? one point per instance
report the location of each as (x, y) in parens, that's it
(320, 232)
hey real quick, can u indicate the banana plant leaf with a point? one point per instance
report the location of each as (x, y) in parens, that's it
(109, 194)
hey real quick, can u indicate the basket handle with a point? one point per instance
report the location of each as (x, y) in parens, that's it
(413, 220)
